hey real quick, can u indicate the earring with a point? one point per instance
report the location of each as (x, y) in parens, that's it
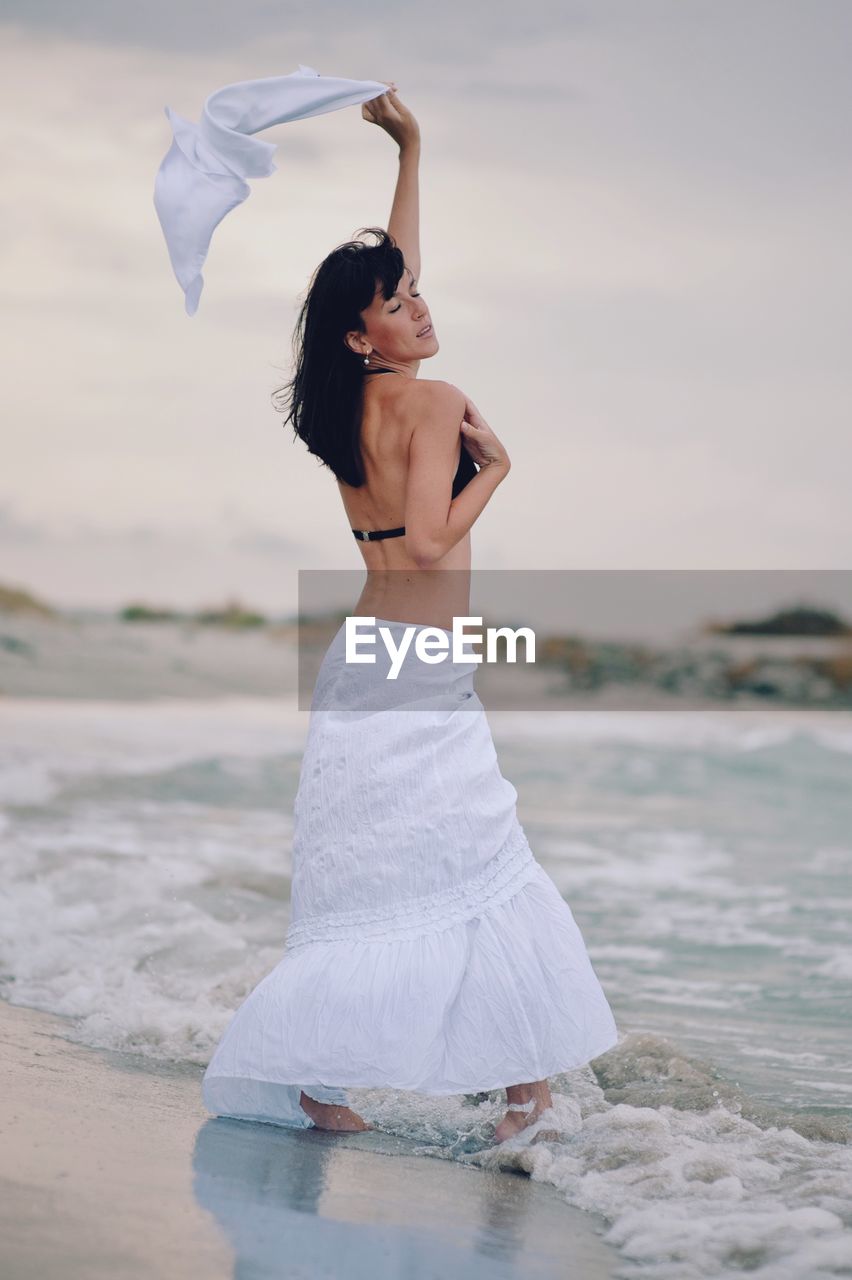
(366, 359)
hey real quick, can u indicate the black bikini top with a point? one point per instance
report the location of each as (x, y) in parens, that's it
(465, 472)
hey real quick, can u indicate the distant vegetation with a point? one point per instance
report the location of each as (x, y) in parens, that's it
(799, 621)
(17, 600)
(796, 679)
(232, 615)
(148, 613)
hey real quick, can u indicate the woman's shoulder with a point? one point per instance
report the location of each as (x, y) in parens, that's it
(433, 395)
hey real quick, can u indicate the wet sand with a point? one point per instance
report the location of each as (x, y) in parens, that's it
(111, 1167)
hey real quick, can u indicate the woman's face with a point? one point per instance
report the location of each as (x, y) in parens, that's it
(393, 325)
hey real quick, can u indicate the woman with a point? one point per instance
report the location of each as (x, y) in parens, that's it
(427, 948)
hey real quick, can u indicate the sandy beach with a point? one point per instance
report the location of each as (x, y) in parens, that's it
(111, 1167)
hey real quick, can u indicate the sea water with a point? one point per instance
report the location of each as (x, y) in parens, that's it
(707, 857)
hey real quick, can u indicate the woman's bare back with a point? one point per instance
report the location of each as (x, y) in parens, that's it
(397, 588)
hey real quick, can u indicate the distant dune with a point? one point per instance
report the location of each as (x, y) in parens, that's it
(802, 620)
(19, 600)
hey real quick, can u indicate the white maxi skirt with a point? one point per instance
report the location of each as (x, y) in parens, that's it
(427, 949)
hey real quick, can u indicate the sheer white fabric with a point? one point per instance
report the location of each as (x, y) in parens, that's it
(427, 949)
(203, 174)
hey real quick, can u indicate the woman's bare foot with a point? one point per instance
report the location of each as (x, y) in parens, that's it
(537, 1098)
(327, 1115)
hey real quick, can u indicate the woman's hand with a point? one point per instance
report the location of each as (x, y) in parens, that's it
(390, 113)
(480, 441)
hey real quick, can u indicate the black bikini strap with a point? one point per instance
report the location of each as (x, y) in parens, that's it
(373, 535)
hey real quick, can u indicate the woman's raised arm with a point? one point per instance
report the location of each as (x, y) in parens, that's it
(391, 114)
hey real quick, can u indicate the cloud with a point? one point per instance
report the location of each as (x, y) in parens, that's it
(17, 532)
(443, 29)
(101, 565)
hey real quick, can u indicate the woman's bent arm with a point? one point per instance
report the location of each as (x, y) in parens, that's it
(434, 520)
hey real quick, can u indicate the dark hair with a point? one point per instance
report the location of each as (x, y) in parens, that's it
(324, 398)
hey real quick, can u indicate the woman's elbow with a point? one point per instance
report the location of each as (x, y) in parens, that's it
(424, 554)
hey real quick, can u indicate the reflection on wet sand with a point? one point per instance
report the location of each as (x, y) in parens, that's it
(303, 1202)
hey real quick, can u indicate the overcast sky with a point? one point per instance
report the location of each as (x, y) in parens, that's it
(635, 230)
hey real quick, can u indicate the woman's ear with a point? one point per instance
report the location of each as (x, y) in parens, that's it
(357, 343)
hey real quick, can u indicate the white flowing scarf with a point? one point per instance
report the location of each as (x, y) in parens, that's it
(203, 174)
